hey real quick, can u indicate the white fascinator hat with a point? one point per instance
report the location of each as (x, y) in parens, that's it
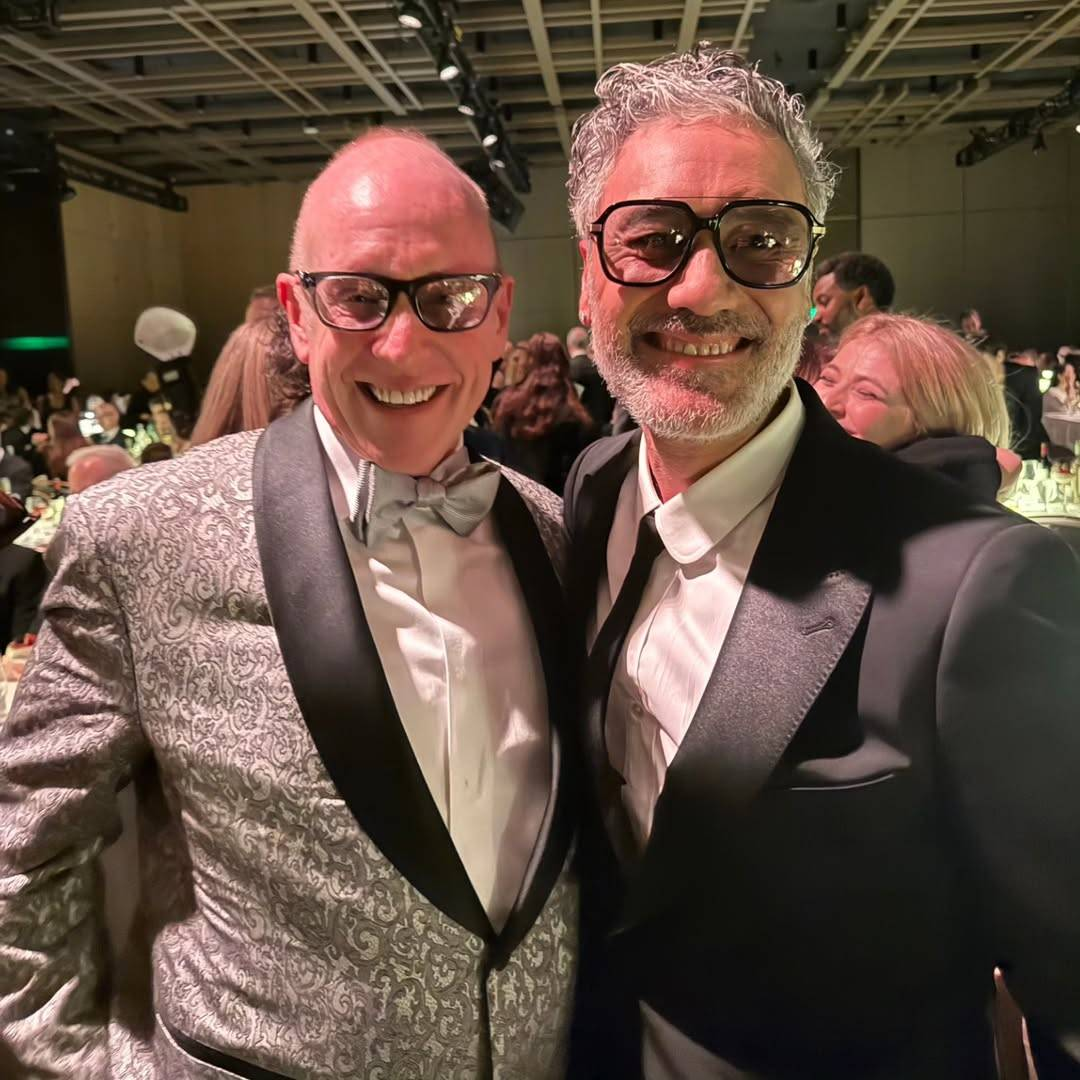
(164, 333)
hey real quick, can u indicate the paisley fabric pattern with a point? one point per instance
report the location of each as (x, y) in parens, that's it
(270, 927)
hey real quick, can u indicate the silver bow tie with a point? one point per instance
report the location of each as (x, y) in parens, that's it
(384, 498)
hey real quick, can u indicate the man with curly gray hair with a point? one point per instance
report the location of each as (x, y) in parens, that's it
(817, 706)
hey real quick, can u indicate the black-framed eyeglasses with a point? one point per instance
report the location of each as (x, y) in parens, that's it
(761, 243)
(447, 303)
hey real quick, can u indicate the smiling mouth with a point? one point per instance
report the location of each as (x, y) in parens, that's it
(401, 398)
(717, 346)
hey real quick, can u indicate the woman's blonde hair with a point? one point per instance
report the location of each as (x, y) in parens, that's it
(256, 378)
(948, 384)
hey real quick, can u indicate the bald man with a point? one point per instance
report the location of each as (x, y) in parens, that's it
(90, 465)
(329, 656)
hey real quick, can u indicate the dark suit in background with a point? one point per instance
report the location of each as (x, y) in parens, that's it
(876, 801)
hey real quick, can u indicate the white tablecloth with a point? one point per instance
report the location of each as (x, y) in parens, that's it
(1063, 428)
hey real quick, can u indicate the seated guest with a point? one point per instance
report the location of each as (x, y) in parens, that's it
(108, 416)
(849, 287)
(64, 437)
(1064, 395)
(332, 655)
(91, 465)
(18, 437)
(914, 387)
(17, 472)
(55, 398)
(256, 378)
(541, 419)
(164, 419)
(155, 451)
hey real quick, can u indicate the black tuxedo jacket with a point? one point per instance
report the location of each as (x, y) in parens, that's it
(877, 800)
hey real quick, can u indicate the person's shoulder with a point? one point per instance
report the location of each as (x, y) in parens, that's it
(597, 454)
(215, 471)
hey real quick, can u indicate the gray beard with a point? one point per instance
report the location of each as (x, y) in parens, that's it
(730, 399)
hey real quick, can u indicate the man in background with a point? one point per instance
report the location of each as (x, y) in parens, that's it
(108, 417)
(598, 402)
(90, 465)
(847, 287)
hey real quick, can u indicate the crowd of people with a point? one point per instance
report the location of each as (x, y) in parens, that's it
(611, 705)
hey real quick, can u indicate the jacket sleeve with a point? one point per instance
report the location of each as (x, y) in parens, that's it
(1009, 732)
(71, 739)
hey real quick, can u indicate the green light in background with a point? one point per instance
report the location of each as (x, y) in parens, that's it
(34, 344)
(813, 312)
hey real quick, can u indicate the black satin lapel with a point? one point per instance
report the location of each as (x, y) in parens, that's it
(798, 611)
(593, 513)
(544, 600)
(336, 674)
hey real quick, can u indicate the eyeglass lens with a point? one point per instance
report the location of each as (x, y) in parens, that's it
(352, 302)
(762, 245)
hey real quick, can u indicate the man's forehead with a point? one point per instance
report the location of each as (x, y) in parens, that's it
(373, 208)
(703, 161)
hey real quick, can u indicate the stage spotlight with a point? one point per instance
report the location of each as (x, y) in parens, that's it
(448, 67)
(498, 163)
(489, 140)
(410, 15)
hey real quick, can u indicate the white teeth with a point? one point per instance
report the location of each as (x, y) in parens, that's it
(403, 397)
(685, 349)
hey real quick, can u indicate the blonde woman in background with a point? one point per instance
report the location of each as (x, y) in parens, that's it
(914, 387)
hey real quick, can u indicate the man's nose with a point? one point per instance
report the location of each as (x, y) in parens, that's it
(703, 287)
(396, 339)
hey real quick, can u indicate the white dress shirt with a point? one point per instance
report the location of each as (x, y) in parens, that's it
(710, 533)
(458, 650)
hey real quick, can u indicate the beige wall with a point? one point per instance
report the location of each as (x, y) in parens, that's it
(122, 256)
(1002, 236)
(235, 238)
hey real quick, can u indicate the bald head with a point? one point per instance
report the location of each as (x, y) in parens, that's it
(384, 163)
(90, 465)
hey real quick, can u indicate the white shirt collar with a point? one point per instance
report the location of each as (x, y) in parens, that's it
(696, 520)
(345, 461)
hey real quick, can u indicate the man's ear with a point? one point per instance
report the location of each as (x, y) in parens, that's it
(863, 300)
(504, 302)
(290, 301)
(584, 312)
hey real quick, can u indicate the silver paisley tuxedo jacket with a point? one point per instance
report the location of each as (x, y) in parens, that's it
(302, 910)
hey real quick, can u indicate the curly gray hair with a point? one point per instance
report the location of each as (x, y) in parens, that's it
(702, 84)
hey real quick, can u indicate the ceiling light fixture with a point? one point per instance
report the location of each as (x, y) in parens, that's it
(310, 127)
(466, 109)
(410, 15)
(489, 140)
(449, 71)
